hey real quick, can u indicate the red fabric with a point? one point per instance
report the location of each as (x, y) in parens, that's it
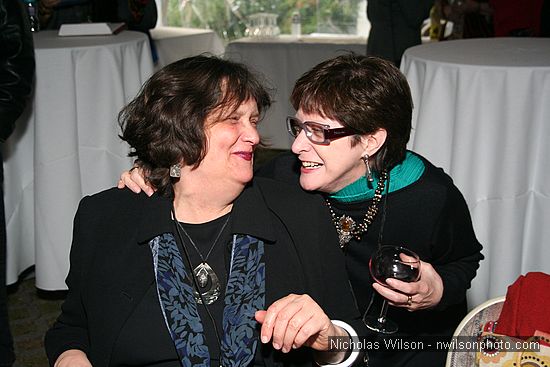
(527, 306)
(511, 15)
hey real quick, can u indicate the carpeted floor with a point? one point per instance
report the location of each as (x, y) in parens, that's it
(31, 312)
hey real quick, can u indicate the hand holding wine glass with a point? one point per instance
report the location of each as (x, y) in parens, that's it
(391, 262)
(425, 293)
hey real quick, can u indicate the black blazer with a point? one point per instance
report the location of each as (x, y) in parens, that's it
(111, 263)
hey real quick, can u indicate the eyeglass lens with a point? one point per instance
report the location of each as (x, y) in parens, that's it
(313, 132)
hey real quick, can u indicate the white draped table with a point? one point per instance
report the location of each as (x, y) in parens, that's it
(282, 60)
(482, 113)
(65, 145)
(174, 43)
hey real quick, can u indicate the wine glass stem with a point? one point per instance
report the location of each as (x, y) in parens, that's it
(383, 311)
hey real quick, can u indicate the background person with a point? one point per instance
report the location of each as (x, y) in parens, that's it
(520, 19)
(139, 15)
(16, 76)
(177, 279)
(395, 26)
(368, 101)
(469, 18)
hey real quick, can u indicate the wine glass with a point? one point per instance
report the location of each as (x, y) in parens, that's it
(390, 261)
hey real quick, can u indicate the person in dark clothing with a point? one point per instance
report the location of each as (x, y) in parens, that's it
(470, 18)
(395, 26)
(195, 276)
(16, 75)
(392, 195)
(352, 125)
(139, 15)
(518, 19)
(545, 19)
(16, 64)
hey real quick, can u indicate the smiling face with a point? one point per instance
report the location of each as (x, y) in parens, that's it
(231, 140)
(327, 168)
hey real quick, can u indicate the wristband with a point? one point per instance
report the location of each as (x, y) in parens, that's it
(355, 341)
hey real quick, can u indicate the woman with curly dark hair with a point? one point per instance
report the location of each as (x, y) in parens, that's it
(215, 268)
(351, 128)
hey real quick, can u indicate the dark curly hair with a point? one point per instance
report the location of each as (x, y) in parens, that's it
(165, 124)
(364, 93)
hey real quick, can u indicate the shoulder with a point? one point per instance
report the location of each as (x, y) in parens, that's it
(279, 194)
(435, 175)
(112, 198)
(437, 183)
(303, 214)
(294, 207)
(111, 205)
(104, 222)
(284, 167)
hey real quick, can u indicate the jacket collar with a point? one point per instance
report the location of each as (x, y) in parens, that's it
(250, 215)
(156, 218)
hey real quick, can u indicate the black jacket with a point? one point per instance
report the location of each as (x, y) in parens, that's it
(16, 64)
(111, 263)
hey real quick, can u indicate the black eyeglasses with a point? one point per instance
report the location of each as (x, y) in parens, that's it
(316, 132)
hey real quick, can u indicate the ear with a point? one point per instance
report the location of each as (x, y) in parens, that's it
(373, 142)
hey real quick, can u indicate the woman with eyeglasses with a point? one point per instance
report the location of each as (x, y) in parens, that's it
(351, 128)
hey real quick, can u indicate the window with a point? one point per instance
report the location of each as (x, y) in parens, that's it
(229, 18)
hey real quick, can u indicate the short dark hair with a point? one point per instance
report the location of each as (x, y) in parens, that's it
(165, 123)
(364, 93)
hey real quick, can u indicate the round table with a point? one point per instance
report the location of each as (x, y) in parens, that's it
(65, 145)
(482, 113)
(174, 43)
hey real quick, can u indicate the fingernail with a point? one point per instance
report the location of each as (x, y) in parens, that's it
(276, 346)
(285, 350)
(294, 346)
(264, 339)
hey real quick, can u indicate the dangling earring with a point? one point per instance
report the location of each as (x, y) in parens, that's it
(369, 173)
(175, 170)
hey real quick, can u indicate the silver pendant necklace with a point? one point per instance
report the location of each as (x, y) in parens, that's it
(207, 280)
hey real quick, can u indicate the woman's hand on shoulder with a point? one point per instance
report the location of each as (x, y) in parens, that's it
(423, 294)
(72, 358)
(294, 321)
(134, 179)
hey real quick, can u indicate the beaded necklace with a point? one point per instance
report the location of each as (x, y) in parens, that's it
(346, 227)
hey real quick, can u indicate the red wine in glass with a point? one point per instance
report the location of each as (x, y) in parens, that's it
(390, 262)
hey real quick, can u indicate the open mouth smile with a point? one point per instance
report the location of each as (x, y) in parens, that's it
(311, 165)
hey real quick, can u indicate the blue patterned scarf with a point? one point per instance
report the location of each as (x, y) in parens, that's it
(244, 295)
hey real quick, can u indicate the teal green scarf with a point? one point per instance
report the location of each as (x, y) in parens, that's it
(402, 175)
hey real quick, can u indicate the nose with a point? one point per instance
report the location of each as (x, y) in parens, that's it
(301, 143)
(251, 135)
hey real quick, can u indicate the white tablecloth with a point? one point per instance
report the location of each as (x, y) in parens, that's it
(482, 113)
(66, 145)
(174, 43)
(282, 60)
